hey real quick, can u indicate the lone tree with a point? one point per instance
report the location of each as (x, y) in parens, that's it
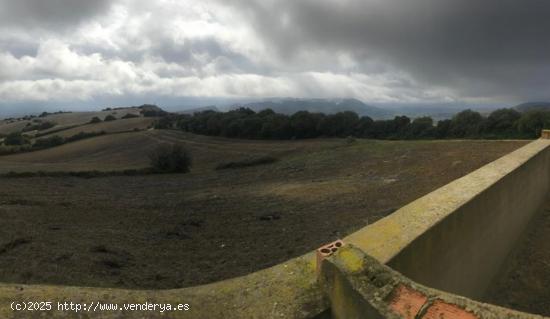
(95, 119)
(170, 158)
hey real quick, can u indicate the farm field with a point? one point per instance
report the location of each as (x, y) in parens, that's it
(174, 230)
(63, 119)
(122, 125)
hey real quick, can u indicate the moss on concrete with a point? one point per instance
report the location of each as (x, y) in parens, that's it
(374, 292)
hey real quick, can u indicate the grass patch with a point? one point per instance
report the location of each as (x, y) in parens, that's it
(82, 174)
(264, 160)
(61, 129)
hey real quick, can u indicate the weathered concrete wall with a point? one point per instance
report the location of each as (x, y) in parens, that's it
(456, 238)
(358, 286)
(288, 290)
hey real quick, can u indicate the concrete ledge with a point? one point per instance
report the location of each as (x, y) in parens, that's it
(358, 286)
(288, 290)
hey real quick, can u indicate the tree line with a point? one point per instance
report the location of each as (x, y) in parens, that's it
(245, 123)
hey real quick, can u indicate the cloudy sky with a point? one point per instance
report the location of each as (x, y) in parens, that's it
(83, 53)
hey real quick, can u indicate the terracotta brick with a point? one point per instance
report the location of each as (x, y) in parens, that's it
(443, 310)
(327, 251)
(407, 302)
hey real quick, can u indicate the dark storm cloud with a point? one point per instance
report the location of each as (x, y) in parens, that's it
(386, 51)
(193, 53)
(49, 13)
(477, 47)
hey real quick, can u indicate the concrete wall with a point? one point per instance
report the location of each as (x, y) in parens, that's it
(358, 287)
(456, 238)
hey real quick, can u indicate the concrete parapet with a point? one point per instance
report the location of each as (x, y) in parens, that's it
(358, 286)
(288, 290)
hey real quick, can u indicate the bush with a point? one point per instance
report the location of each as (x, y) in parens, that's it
(48, 142)
(83, 135)
(8, 150)
(247, 163)
(109, 118)
(170, 158)
(16, 138)
(95, 119)
(129, 116)
(39, 126)
(46, 125)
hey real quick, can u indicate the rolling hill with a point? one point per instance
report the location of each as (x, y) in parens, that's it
(130, 151)
(62, 120)
(328, 106)
(531, 106)
(118, 126)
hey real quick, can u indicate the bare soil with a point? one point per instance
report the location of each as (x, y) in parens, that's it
(168, 231)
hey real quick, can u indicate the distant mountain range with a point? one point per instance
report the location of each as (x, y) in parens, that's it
(530, 106)
(199, 109)
(327, 106)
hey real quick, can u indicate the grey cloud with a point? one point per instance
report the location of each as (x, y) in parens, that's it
(376, 50)
(478, 48)
(48, 14)
(190, 50)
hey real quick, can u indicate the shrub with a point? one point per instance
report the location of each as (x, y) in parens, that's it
(16, 138)
(83, 135)
(109, 118)
(8, 150)
(39, 126)
(95, 119)
(48, 142)
(247, 163)
(129, 116)
(170, 158)
(46, 125)
(350, 140)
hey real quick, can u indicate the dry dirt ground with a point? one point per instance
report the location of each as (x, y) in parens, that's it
(168, 231)
(524, 281)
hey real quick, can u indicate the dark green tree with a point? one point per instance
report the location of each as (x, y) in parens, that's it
(502, 122)
(467, 123)
(532, 122)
